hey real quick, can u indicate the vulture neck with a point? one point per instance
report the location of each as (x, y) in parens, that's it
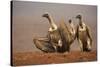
(80, 22)
(72, 29)
(52, 24)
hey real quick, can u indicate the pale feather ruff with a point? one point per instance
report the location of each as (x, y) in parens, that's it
(55, 28)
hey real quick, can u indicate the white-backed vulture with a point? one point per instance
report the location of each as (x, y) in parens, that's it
(53, 39)
(68, 35)
(83, 35)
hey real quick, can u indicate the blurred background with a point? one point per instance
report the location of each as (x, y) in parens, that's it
(29, 23)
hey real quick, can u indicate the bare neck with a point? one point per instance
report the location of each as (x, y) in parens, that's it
(72, 28)
(51, 21)
(80, 22)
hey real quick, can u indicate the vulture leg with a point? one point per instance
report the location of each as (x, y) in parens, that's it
(44, 45)
(81, 45)
(88, 44)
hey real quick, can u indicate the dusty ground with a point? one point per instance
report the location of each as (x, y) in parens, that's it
(35, 58)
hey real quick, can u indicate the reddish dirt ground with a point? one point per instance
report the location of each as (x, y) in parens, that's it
(35, 58)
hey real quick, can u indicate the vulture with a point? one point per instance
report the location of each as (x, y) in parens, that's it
(83, 35)
(68, 35)
(52, 40)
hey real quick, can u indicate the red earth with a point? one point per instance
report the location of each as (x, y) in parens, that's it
(37, 58)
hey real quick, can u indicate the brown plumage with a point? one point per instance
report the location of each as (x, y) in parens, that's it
(43, 44)
(53, 39)
(68, 35)
(58, 39)
(83, 35)
(53, 33)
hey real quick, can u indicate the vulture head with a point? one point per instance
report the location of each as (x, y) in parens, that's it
(79, 17)
(45, 15)
(70, 20)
